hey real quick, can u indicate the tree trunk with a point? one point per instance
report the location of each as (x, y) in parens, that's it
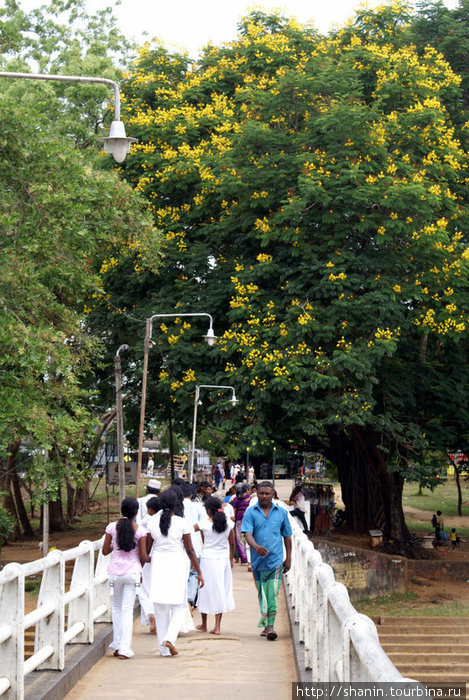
(458, 486)
(20, 507)
(5, 484)
(82, 499)
(372, 495)
(56, 515)
(70, 501)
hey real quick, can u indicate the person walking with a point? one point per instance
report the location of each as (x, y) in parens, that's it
(169, 535)
(216, 563)
(240, 504)
(193, 512)
(147, 616)
(153, 489)
(298, 501)
(266, 528)
(126, 542)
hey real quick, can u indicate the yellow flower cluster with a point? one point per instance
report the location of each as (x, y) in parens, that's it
(264, 258)
(188, 376)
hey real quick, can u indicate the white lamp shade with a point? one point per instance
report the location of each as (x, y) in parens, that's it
(117, 143)
(210, 336)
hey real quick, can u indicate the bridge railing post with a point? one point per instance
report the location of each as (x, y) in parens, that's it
(12, 632)
(50, 629)
(102, 596)
(80, 609)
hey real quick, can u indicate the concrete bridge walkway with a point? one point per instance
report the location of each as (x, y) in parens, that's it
(237, 664)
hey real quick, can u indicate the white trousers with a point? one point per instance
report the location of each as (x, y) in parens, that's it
(169, 620)
(146, 605)
(123, 591)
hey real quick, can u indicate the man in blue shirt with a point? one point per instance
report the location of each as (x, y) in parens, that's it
(266, 527)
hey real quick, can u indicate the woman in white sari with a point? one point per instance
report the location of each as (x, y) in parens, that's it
(169, 540)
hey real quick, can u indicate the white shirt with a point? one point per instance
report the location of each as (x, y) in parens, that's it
(142, 508)
(216, 545)
(172, 542)
(194, 512)
(229, 511)
(300, 502)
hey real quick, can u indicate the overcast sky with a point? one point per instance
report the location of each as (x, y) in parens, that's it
(191, 24)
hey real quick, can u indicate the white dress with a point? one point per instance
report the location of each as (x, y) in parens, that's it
(216, 596)
(169, 561)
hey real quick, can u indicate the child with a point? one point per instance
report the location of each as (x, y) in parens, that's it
(216, 562)
(126, 542)
(146, 606)
(454, 538)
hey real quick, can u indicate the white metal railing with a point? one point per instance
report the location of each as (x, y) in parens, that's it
(340, 644)
(87, 601)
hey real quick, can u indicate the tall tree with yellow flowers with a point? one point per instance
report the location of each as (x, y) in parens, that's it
(311, 192)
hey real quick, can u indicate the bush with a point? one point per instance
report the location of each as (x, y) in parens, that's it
(7, 525)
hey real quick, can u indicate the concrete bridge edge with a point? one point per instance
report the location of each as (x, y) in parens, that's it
(79, 658)
(303, 675)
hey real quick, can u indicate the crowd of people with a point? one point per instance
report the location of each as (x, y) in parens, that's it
(176, 549)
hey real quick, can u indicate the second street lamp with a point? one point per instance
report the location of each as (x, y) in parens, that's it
(209, 338)
(233, 400)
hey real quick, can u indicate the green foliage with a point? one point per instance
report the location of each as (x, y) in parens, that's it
(7, 525)
(61, 37)
(323, 179)
(61, 221)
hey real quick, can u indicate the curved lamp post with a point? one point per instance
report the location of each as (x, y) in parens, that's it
(117, 143)
(233, 400)
(120, 422)
(209, 338)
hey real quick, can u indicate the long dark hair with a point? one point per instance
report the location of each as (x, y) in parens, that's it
(168, 503)
(213, 507)
(179, 510)
(125, 534)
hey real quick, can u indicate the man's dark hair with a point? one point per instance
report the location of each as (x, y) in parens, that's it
(264, 485)
(188, 490)
(156, 492)
(177, 481)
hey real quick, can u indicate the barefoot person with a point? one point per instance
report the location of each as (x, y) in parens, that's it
(266, 527)
(168, 537)
(147, 616)
(216, 562)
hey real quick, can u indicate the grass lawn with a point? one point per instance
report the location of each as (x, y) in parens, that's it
(444, 497)
(409, 604)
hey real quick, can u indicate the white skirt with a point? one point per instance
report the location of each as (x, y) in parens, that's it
(169, 573)
(216, 596)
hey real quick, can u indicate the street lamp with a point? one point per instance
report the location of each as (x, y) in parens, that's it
(117, 143)
(233, 400)
(209, 338)
(120, 422)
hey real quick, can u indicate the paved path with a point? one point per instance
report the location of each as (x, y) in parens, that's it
(238, 664)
